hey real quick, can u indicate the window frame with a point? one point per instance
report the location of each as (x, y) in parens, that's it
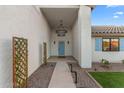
(110, 49)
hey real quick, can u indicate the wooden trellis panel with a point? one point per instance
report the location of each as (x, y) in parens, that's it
(20, 62)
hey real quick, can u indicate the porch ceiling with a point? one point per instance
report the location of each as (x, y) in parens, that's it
(54, 15)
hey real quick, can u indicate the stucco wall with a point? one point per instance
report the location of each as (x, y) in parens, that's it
(85, 28)
(82, 37)
(21, 21)
(76, 49)
(66, 38)
(113, 57)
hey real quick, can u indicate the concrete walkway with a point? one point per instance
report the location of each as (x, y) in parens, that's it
(61, 77)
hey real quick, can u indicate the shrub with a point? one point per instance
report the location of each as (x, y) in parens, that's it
(123, 61)
(104, 61)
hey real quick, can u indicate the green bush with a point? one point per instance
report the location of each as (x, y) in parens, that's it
(104, 61)
(123, 61)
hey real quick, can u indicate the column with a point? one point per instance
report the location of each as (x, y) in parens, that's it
(84, 19)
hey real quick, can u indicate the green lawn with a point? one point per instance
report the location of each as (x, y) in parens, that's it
(109, 79)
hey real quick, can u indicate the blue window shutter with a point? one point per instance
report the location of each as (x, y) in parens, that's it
(98, 44)
(121, 44)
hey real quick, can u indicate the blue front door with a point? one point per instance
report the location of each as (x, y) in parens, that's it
(61, 48)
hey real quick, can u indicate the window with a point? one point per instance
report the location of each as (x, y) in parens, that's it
(106, 44)
(114, 44)
(110, 44)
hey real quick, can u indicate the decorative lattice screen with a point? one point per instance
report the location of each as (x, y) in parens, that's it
(20, 62)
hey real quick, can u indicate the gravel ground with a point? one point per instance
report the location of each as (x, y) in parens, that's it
(41, 77)
(84, 81)
(113, 67)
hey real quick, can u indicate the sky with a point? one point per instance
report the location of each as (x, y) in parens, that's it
(108, 15)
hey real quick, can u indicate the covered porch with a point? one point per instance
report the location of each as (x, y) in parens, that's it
(70, 33)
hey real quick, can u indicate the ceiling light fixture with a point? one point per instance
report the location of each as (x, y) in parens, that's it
(61, 30)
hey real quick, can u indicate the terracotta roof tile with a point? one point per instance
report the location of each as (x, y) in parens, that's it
(107, 30)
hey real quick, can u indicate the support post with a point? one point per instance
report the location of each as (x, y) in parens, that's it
(84, 19)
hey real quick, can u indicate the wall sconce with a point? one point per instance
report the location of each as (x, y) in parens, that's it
(54, 42)
(68, 42)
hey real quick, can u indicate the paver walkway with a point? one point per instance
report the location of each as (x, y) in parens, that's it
(61, 77)
(84, 81)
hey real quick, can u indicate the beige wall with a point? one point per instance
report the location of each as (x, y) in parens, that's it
(21, 21)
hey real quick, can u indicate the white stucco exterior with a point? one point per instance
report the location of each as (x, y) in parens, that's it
(76, 46)
(85, 28)
(113, 57)
(82, 37)
(21, 21)
(29, 22)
